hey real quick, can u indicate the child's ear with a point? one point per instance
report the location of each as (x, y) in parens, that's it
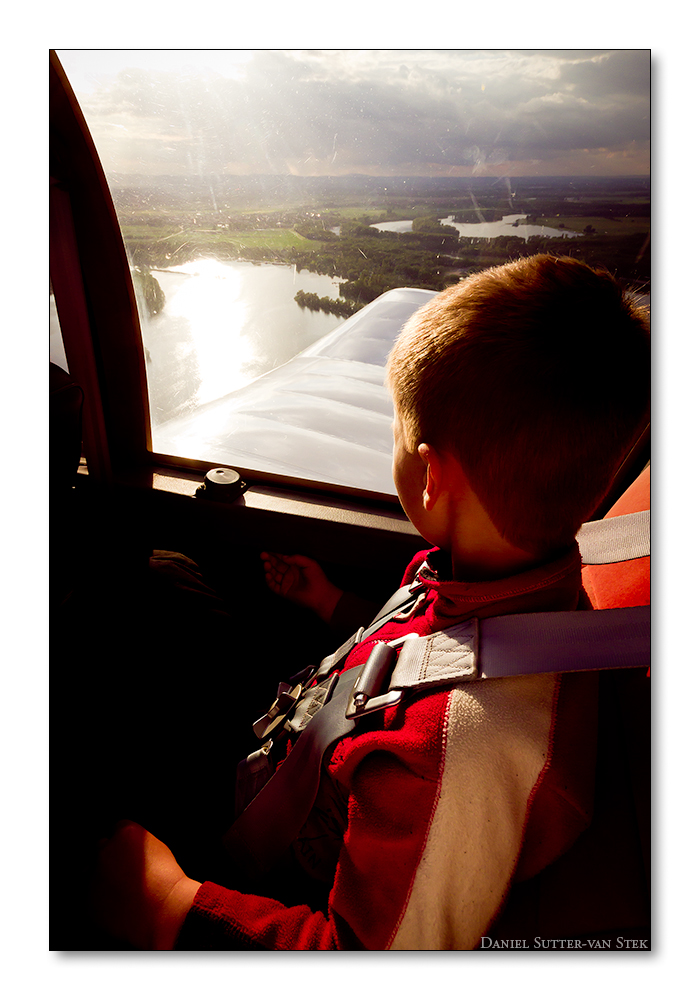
(434, 475)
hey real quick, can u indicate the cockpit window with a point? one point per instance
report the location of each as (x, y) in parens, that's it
(266, 198)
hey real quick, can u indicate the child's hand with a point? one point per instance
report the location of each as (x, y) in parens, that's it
(140, 893)
(301, 580)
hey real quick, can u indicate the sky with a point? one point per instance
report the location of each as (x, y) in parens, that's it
(381, 112)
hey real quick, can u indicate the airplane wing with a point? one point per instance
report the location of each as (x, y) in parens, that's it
(323, 416)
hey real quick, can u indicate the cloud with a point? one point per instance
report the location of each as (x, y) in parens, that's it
(610, 75)
(349, 111)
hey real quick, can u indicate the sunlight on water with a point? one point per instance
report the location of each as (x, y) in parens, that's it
(483, 230)
(223, 324)
(217, 315)
(509, 225)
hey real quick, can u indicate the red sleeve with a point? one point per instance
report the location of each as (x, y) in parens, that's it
(394, 780)
(225, 920)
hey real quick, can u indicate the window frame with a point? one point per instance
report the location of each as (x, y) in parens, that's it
(94, 295)
(100, 325)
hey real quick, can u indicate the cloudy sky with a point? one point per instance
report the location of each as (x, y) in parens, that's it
(388, 112)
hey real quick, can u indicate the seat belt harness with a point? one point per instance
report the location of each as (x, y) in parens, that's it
(324, 705)
(471, 651)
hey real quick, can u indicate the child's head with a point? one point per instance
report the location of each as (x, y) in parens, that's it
(535, 376)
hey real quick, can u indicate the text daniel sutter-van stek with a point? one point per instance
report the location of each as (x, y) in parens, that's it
(565, 944)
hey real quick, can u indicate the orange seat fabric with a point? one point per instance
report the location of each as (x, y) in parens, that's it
(624, 584)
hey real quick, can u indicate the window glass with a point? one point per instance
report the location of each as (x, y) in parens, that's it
(266, 197)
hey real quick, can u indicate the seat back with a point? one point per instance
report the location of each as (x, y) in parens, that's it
(601, 888)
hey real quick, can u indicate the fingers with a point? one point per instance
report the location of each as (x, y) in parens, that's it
(280, 561)
(294, 576)
(301, 561)
(272, 564)
(280, 574)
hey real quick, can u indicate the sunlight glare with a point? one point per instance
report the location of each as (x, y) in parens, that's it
(217, 312)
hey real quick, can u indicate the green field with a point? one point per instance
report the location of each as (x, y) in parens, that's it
(274, 239)
(277, 237)
(213, 240)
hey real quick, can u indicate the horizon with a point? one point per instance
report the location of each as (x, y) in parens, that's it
(398, 177)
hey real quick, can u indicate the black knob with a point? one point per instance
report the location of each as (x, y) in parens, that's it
(221, 485)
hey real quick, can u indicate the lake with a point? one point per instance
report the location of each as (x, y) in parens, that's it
(482, 230)
(224, 324)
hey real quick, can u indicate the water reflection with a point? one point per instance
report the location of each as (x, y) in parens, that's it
(483, 230)
(217, 313)
(223, 325)
(509, 225)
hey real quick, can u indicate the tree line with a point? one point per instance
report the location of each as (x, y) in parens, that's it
(323, 303)
(371, 261)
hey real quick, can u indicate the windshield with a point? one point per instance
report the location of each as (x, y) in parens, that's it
(267, 197)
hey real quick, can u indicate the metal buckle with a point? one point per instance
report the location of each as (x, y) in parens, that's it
(269, 725)
(365, 697)
(355, 709)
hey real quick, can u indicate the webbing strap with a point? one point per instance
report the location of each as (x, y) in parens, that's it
(403, 596)
(615, 539)
(553, 642)
(558, 642)
(274, 818)
(399, 601)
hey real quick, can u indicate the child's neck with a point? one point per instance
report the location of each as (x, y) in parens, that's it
(450, 514)
(479, 552)
(483, 565)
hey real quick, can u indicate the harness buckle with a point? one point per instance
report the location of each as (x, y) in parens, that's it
(269, 725)
(365, 696)
(388, 700)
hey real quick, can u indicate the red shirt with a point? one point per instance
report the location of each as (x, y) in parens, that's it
(422, 824)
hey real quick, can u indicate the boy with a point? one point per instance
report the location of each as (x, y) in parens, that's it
(517, 394)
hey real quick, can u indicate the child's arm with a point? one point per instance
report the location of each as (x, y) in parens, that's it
(140, 893)
(301, 580)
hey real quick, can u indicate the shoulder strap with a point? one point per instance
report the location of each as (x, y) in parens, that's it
(615, 539)
(400, 601)
(555, 642)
